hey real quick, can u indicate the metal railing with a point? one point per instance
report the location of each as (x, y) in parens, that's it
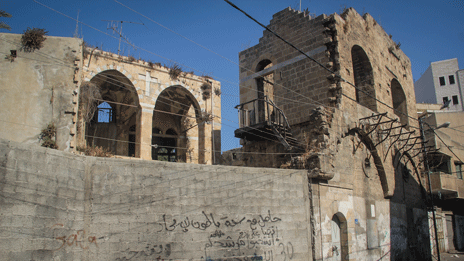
(260, 111)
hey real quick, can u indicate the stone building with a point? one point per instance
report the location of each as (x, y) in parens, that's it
(141, 109)
(445, 155)
(441, 82)
(360, 144)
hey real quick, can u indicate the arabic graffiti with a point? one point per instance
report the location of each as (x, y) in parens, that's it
(209, 221)
(151, 250)
(244, 238)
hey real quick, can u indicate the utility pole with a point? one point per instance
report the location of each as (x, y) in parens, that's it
(114, 28)
(426, 162)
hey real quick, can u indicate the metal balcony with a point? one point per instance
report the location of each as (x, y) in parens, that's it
(261, 119)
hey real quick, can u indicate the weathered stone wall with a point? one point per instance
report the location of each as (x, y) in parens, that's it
(38, 88)
(300, 85)
(56, 205)
(367, 197)
(156, 109)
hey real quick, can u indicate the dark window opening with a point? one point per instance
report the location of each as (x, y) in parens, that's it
(363, 78)
(445, 100)
(399, 101)
(442, 81)
(164, 148)
(440, 164)
(13, 53)
(451, 79)
(104, 113)
(455, 100)
(131, 144)
(234, 156)
(458, 170)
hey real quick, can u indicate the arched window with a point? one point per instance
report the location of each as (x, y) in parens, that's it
(363, 78)
(399, 101)
(104, 113)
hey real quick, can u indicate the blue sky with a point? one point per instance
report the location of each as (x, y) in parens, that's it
(429, 30)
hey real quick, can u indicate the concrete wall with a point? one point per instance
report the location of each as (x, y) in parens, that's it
(446, 68)
(59, 206)
(37, 88)
(425, 89)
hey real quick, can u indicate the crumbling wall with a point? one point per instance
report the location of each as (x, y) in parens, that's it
(56, 205)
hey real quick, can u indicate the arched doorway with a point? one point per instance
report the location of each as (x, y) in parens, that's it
(399, 101)
(178, 129)
(339, 237)
(114, 122)
(363, 78)
(265, 89)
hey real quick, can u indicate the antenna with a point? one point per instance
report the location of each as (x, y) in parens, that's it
(115, 29)
(76, 32)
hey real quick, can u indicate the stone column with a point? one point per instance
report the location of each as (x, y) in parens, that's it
(144, 131)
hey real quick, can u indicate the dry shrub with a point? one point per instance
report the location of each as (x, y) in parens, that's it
(206, 88)
(131, 58)
(95, 151)
(87, 106)
(217, 91)
(48, 135)
(33, 39)
(175, 71)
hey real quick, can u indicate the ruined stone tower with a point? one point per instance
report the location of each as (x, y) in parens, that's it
(351, 124)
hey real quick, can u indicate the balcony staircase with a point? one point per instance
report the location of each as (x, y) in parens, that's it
(261, 119)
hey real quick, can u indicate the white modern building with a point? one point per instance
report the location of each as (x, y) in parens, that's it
(441, 82)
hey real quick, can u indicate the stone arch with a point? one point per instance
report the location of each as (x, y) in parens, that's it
(178, 111)
(339, 229)
(399, 101)
(378, 161)
(116, 135)
(264, 88)
(410, 236)
(363, 78)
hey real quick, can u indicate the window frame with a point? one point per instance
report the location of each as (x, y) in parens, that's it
(455, 99)
(458, 171)
(106, 112)
(445, 99)
(451, 79)
(442, 80)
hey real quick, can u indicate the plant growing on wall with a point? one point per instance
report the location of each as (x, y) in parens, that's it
(175, 71)
(88, 94)
(33, 39)
(48, 136)
(95, 151)
(206, 91)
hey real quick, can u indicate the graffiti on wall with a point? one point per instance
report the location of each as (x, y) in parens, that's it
(240, 238)
(77, 239)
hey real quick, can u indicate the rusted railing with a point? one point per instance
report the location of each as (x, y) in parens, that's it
(260, 111)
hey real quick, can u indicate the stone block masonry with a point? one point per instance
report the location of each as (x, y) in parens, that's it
(58, 206)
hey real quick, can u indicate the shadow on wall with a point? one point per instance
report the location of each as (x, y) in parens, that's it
(410, 238)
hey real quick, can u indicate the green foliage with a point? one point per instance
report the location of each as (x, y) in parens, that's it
(48, 136)
(33, 39)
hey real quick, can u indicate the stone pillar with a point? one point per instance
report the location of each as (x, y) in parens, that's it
(144, 131)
